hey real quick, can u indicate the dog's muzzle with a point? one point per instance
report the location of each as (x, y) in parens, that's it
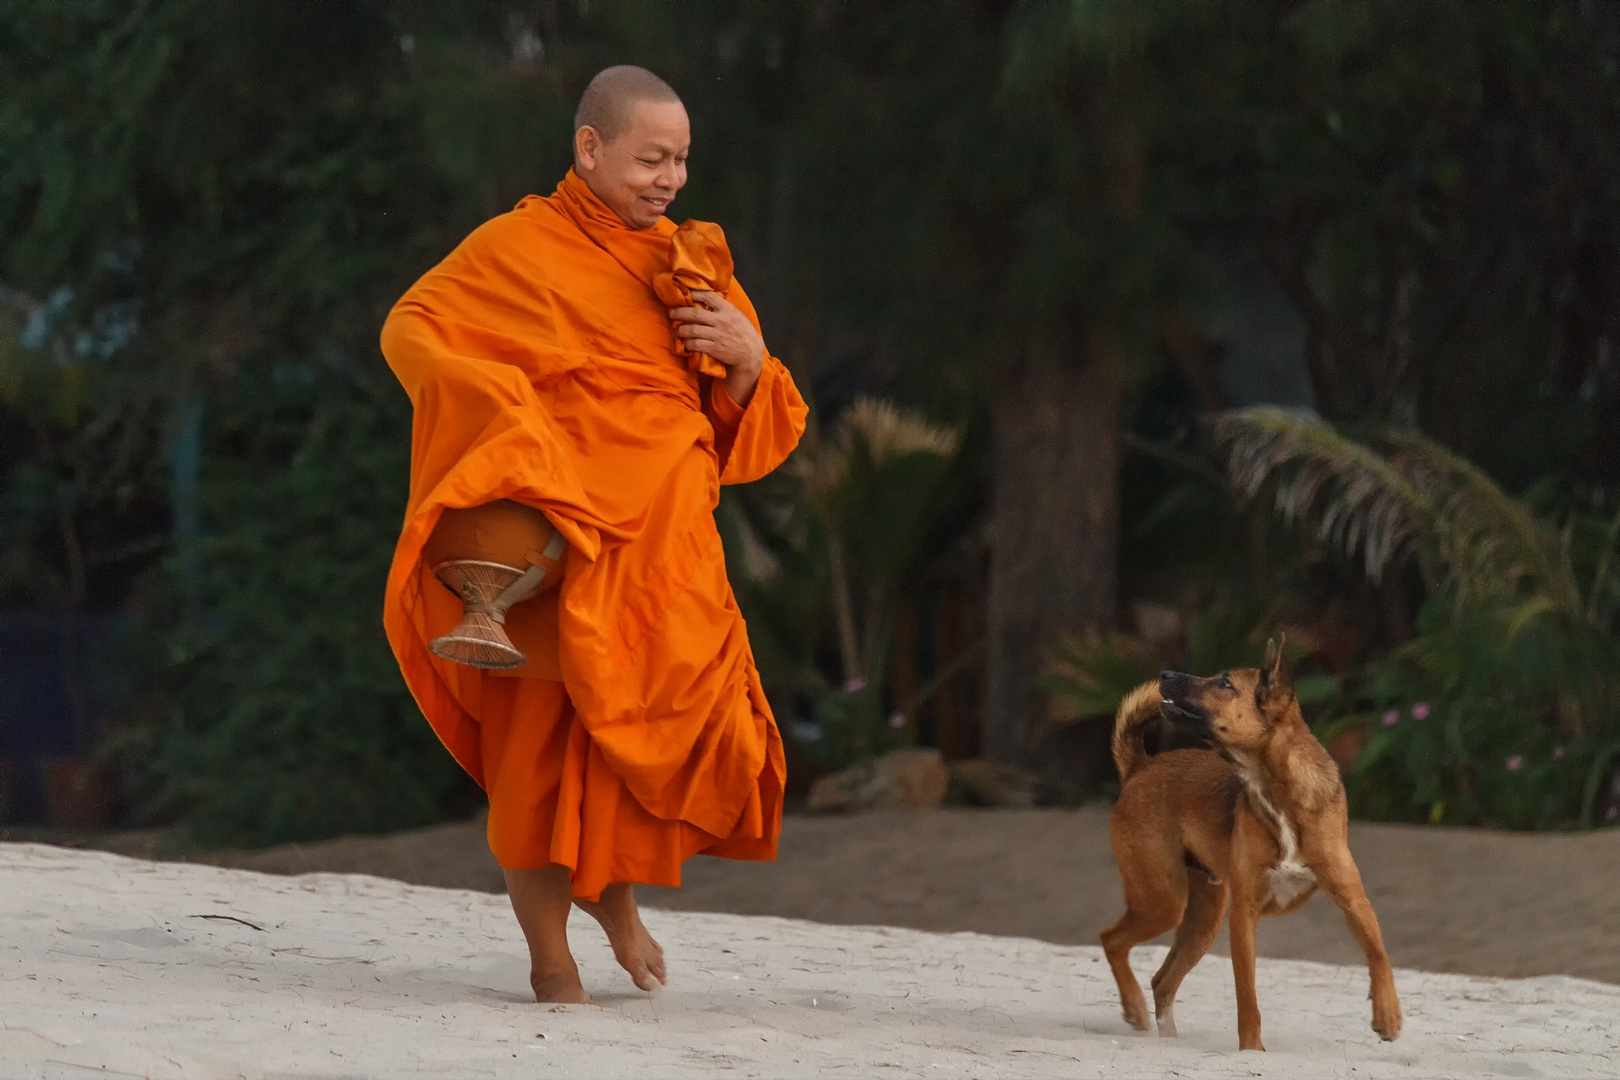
(1173, 688)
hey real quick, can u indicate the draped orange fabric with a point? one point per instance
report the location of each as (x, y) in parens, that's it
(542, 366)
(699, 259)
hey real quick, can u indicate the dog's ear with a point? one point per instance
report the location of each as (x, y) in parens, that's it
(1276, 680)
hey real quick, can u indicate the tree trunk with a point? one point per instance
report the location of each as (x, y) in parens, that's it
(1055, 555)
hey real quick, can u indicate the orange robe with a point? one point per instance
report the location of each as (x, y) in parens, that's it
(543, 368)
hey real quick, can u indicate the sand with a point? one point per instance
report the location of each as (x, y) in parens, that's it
(1472, 901)
(122, 967)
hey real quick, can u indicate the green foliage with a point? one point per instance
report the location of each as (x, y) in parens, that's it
(776, 559)
(279, 712)
(854, 726)
(1414, 497)
(1515, 657)
(1393, 169)
(1417, 498)
(1089, 676)
(1476, 723)
(224, 231)
(835, 538)
(887, 502)
(73, 510)
(876, 488)
(206, 207)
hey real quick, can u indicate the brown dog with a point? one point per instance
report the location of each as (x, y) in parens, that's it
(1260, 817)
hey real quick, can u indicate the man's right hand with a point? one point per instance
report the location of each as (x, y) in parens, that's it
(720, 329)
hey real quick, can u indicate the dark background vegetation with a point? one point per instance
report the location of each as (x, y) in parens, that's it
(1074, 242)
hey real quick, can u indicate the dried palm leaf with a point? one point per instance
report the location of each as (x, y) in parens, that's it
(884, 431)
(891, 433)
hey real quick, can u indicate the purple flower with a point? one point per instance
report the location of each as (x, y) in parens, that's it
(1514, 762)
(1611, 813)
(1392, 718)
(897, 720)
(1558, 753)
(1420, 711)
(855, 685)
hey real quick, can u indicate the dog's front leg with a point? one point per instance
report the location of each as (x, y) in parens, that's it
(1242, 927)
(1337, 873)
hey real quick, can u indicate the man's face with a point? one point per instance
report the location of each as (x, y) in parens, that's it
(638, 173)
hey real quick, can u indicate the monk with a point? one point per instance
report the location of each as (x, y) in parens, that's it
(584, 357)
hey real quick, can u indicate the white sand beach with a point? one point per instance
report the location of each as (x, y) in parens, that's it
(122, 967)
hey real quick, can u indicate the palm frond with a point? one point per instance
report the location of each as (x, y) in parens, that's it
(821, 465)
(890, 432)
(880, 429)
(1491, 542)
(1416, 498)
(1598, 594)
(1359, 502)
(1090, 675)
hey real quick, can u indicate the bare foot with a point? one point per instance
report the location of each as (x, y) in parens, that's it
(561, 986)
(633, 947)
(540, 898)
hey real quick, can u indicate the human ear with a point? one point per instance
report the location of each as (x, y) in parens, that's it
(587, 145)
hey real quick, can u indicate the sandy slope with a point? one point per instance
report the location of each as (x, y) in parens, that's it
(119, 967)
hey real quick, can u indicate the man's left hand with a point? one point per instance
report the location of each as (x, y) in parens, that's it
(718, 327)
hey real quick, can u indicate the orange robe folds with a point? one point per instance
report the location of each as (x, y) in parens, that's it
(543, 368)
(699, 260)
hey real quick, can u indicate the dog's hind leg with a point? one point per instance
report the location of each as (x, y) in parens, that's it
(1154, 900)
(1206, 904)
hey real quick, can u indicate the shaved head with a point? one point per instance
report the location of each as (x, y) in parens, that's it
(631, 138)
(609, 99)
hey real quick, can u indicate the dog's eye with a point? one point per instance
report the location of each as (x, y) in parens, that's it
(1225, 683)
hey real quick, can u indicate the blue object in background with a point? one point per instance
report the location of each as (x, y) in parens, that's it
(59, 682)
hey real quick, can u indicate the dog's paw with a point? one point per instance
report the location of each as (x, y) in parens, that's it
(1137, 1018)
(1387, 1021)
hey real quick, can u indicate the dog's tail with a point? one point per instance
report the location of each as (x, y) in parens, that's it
(1140, 706)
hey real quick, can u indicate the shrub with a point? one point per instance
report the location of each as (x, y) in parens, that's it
(274, 708)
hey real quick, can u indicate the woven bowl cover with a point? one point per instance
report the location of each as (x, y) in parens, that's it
(477, 640)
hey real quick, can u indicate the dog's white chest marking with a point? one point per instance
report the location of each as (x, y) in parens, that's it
(1289, 879)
